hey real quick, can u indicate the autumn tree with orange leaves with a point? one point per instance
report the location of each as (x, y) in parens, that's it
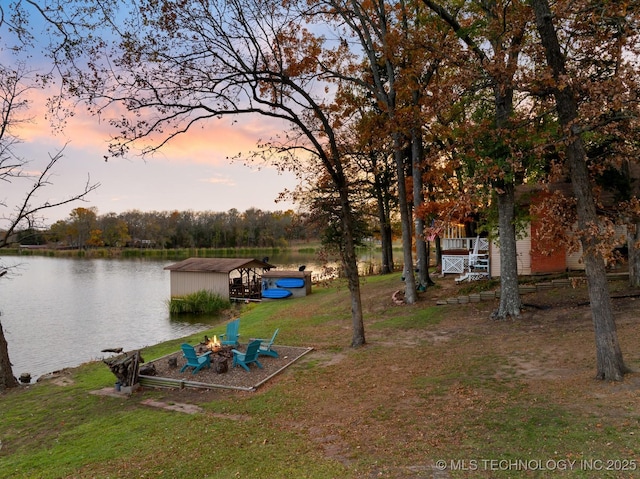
(176, 65)
(369, 146)
(402, 49)
(494, 34)
(591, 52)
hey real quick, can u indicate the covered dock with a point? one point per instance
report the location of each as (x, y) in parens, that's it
(232, 278)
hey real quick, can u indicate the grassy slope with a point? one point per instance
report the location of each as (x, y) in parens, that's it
(433, 383)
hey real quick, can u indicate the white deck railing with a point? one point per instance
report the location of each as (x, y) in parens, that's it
(465, 243)
(460, 264)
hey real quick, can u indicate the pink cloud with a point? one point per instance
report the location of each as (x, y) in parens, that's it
(212, 142)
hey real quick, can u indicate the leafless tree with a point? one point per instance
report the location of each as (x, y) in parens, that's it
(26, 211)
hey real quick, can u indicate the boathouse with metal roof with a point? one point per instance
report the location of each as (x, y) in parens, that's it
(233, 278)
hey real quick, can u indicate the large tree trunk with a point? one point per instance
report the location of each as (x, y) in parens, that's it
(350, 263)
(405, 218)
(633, 243)
(386, 240)
(7, 379)
(387, 250)
(609, 361)
(510, 303)
(610, 364)
(422, 253)
(384, 217)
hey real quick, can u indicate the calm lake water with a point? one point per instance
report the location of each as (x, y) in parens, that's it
(61, 312)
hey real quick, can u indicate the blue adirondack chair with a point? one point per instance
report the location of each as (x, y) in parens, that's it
(266, 346)
(193, 360)
(230, 338)
(248, 357)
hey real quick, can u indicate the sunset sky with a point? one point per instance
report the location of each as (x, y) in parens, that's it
(191, 173)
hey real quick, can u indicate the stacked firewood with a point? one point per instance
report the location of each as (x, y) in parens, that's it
(125, 367)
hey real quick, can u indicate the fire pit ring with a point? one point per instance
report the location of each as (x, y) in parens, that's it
(220, 354)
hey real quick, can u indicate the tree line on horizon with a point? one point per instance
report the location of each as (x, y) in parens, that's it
(253, 228)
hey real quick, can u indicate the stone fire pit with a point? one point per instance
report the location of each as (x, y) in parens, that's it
(168, 375)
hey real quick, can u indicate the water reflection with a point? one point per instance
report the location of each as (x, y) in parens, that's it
(61, 312)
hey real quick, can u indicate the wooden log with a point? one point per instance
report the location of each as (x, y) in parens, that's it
(112, 350)
(125, 367)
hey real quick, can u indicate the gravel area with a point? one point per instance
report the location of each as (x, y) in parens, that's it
(235, 377)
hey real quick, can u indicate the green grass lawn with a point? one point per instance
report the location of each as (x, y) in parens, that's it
(489, 399)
